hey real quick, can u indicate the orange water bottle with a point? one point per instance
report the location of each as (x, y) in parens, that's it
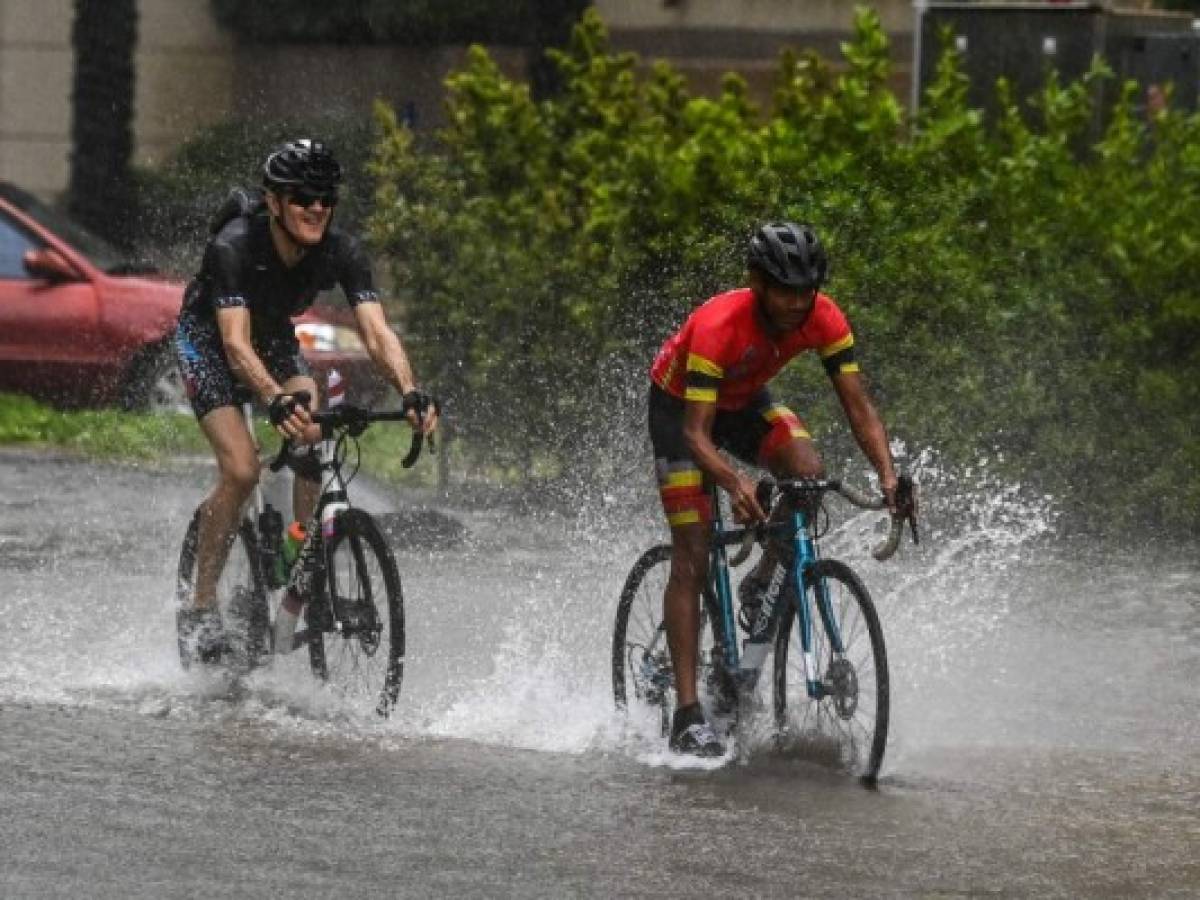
(293, 540)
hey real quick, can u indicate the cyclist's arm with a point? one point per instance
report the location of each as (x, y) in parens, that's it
(248, 367)
(868, 428)
(387, 352)
(698, 420)
(223, 267)
(234, 324)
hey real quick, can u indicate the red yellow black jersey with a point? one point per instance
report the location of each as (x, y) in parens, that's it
(723, 354)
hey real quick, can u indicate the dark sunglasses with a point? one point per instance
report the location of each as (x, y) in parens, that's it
(305, 198)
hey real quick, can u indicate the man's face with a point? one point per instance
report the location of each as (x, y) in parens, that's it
(786, 308)
(305, 214)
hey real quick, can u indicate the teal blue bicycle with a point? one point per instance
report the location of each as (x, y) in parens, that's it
(830, 669)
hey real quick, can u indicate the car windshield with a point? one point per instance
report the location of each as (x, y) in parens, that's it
(100, 252)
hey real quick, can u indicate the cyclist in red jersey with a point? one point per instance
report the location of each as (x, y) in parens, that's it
(709, 393)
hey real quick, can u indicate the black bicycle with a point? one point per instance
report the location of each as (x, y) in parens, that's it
(345, 571)
(831, 685)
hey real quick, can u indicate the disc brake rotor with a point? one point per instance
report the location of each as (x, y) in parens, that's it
(843, 687)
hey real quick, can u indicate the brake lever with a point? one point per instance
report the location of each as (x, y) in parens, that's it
(418, 436)
(908, 488)
(414, 449)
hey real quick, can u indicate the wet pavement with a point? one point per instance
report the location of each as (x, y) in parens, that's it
(1044, 738)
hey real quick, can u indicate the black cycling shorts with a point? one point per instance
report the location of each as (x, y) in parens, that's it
(209, 381)
(751, 433)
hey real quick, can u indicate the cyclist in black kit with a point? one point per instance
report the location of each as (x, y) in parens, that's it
(266, 261)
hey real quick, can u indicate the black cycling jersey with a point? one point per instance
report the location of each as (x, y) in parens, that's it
(241, 268)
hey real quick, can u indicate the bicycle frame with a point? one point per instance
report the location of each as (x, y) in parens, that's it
(747, 667)
(305, 574)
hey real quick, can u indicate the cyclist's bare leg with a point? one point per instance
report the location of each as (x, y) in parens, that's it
(798, 458)
(237, 474)
(681, 605)
(304, 492)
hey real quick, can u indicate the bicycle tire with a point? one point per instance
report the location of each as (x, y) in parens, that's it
(241, 597)
(639, 630)
(641, 661)
(363, 589)
(851, 721)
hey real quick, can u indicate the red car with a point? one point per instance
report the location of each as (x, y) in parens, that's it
(82, 326)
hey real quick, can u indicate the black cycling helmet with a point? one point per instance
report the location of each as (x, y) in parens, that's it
(302, 163)
(790, 254)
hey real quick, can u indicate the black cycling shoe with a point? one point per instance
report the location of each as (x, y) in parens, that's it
(201, 636)
(691, 733)
(750, 593)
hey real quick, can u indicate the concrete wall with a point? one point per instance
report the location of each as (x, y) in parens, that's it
(184, 66)
(36, 66)
(704, 39)
(752, 15)
(185, 75)
(344, 81)
(190, 73)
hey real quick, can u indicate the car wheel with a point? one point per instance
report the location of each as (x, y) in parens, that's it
(155, 383)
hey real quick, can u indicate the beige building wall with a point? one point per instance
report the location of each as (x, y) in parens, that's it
(190, 73)
(185, 75)
(36, 66)
(184, 80)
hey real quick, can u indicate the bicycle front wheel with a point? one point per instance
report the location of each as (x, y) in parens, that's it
(241, 597)
(362, 653)
(848, 718)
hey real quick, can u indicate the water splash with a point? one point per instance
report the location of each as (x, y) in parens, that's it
(509, 636)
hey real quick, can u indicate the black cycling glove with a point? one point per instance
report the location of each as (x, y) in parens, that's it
(419, 401)
(283, 405)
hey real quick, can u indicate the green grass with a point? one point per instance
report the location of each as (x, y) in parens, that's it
(115, 434)
(106, 433)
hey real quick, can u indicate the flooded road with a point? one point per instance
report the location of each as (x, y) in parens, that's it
(1044, 737)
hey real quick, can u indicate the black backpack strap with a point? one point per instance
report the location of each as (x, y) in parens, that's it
(240, 202)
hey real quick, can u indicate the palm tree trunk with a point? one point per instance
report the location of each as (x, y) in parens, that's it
(101, 193)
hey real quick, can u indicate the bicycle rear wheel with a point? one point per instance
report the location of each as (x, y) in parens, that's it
(241, 598)
(849, 720)
(365, 658)
(641, 661)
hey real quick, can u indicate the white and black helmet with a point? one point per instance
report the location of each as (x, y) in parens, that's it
(790, 254)
(302, 163)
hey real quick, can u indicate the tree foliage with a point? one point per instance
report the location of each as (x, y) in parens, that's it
(1013, 288)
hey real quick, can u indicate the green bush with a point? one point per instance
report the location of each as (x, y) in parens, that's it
(101, 433)
(1012, 287)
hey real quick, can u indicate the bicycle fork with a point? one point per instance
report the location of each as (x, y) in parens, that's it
(804, 574)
